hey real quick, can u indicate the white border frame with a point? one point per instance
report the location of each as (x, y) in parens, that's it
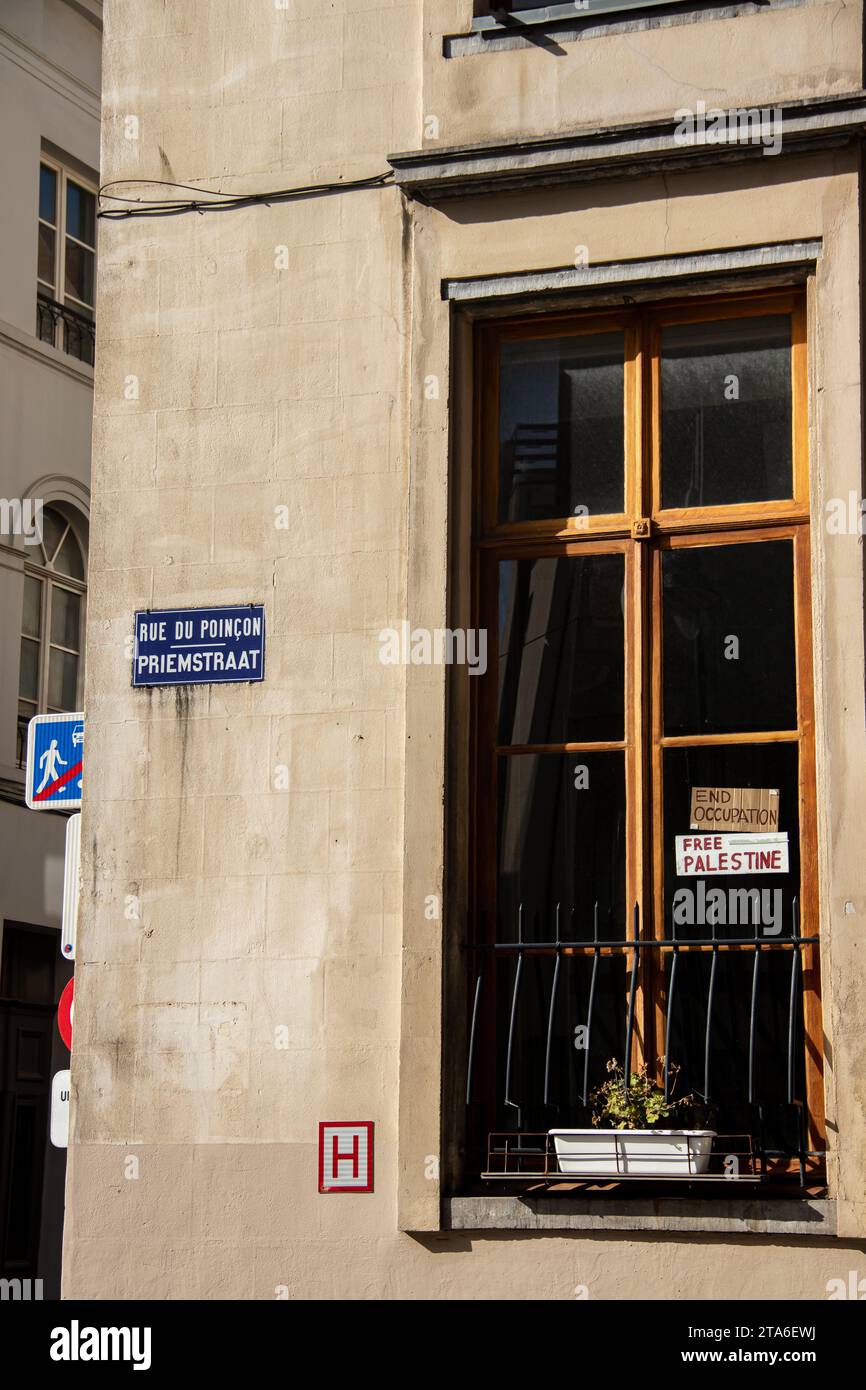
(71, 805)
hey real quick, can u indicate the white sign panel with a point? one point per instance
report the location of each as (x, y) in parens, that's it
(732, 854)
(70, 887)
(346, 1156)
(60, 1110)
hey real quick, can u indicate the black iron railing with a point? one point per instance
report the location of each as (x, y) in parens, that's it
(65, 328)
(557, 11)
(633, 947)
(21, 739)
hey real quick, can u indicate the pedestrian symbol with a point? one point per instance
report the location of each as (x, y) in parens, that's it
(55, 762)
(50, 760)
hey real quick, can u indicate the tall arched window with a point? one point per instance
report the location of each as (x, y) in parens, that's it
(52, 623)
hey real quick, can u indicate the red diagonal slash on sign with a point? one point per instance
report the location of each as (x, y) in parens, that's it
(61, 782)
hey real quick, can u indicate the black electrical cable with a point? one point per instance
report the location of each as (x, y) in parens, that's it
(218, 201)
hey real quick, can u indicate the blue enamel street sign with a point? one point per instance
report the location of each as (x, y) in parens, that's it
(55, 762)
(199, 646)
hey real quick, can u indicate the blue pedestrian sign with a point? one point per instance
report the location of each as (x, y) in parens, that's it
(199, 646)
(55, 762)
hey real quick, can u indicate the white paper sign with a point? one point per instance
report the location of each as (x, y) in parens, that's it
(60, 1110)
(732, 854)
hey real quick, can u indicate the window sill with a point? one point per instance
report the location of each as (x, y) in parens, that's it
(790, 1216)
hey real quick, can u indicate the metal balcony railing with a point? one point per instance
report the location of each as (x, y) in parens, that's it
(514, 1157)
(65, 328)
(21, 740)
(793, 942)
(490, 12)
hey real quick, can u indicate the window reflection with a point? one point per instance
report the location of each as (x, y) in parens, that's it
(561, 649)
(561, 427)
(726, 412)
(728, 625)
(561, 841)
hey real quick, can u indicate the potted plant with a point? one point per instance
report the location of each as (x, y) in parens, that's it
(628, 1138)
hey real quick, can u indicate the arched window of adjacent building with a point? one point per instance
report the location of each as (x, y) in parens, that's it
(52, 625)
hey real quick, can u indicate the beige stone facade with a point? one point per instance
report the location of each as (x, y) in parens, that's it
(283, 415)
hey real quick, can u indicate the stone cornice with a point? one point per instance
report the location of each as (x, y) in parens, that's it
(617, 151)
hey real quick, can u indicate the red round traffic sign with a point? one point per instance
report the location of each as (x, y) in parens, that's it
(64, 1013)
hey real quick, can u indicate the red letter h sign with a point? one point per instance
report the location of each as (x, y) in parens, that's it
(346, 1156)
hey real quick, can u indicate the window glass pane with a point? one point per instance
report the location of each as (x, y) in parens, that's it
(726, 412)
(80, 214)
(28, 678)
(565, 1066)
(729, 1041)
(84, 311)
(46, 254)
(79, 272)
(26, 711)
(45, 327)
(65, 617)
(766, 766)
(731, 906)
(47, 194)
(62, 680)
(53, 527)
(561, 430)
(31, 622)
(68, 558)
(728, 648)
(561, 840)
(561, 649)
(35, 551)
(78, 336)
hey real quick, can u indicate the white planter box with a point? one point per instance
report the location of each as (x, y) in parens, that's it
(650, 1153)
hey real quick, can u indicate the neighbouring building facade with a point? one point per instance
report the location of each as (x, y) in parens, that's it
(518, 375)
(49, 154)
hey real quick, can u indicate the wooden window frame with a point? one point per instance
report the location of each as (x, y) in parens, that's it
(645, 520)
